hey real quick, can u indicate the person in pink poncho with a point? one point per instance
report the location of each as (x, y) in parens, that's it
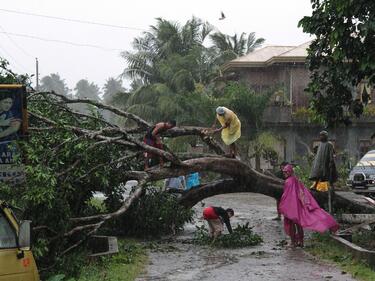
(300, 210)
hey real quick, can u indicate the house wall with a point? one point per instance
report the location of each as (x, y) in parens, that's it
(299, 136)
(291, 78)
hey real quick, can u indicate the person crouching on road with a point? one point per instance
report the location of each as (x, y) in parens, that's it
(215, 217)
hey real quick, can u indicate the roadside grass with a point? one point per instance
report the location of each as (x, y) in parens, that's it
(323, 247)
(125, 265)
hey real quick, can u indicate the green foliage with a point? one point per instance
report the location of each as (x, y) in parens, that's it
(303, 174)
(86, 90)
(365, 239)
(7, 76)
(124, 266)
(166, 46)
(158, 101)
(369, 111)
(236, 45)
(246, 103)
(178, 55)
(62, 171)
(113, 90)
(242, 236)
(174, 72)
(54, 82)
(341, 56)
(156, 213)
(323, 247)
(308, 115)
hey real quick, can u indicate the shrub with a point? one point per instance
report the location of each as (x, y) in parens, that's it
(242, 236)
(156, 213)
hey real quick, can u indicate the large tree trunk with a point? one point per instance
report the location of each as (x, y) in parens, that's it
(342, 200)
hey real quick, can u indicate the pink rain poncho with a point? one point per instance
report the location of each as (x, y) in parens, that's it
(299, 206)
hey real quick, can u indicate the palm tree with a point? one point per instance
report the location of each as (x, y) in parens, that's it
(236, 45)
(112, 88)
(164, 40)
(86, 90)
(53, 82)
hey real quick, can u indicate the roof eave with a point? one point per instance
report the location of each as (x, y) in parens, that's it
(248, 64)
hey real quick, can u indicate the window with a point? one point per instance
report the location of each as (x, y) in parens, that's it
(7, 235)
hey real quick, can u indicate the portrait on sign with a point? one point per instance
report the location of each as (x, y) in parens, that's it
(13, 125)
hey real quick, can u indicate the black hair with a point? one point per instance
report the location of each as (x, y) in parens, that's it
(229, 210)
(6, 95)
(284, 163)
(172, 122)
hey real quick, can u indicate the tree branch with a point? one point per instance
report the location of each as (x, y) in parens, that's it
(137, 119)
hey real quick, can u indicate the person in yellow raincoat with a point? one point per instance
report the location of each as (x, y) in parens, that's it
(230, 128)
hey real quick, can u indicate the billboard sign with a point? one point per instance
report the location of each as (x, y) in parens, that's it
(13, 126)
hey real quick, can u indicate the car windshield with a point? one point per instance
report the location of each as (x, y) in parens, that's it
(7, 235)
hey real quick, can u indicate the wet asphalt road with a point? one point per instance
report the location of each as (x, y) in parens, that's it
(178, 261)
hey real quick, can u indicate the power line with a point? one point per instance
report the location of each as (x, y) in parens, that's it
(60, 41)
(72, 20)
(14, 61)
(15, 43)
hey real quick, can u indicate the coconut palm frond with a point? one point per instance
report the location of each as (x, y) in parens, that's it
(183, 81)
(253, 43)
(207, 28)
(140, 65)
(220, 41)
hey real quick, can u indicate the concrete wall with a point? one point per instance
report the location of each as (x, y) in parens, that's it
(300, 138)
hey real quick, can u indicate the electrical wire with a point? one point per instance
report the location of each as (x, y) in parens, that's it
(72, 20)
(13, 61)
(16, 44)
(60, 41)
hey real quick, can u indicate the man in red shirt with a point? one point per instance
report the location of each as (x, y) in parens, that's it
(153, 139)
(215, 217)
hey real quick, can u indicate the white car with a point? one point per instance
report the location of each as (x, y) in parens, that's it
(362, 176)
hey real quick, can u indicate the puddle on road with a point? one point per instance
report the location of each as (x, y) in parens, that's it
(270, 261)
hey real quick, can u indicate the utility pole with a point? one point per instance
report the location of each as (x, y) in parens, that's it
(37, 74)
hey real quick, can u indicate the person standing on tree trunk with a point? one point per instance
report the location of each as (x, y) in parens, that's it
(230, 128)
(324, 167)
(152, 138)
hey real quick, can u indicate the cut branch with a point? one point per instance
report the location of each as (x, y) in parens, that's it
(127, 203)
(115, 110)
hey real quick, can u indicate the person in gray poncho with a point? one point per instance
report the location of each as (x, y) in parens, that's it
(323, 167)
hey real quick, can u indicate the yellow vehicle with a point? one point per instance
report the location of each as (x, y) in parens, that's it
(16, 259)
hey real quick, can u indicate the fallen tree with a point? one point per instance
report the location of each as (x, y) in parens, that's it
(72, 153)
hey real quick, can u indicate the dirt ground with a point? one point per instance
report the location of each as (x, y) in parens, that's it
(179, 261)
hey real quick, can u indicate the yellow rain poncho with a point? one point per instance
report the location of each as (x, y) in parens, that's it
(233, 131)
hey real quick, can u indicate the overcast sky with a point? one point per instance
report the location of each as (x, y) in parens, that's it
(274, 20)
